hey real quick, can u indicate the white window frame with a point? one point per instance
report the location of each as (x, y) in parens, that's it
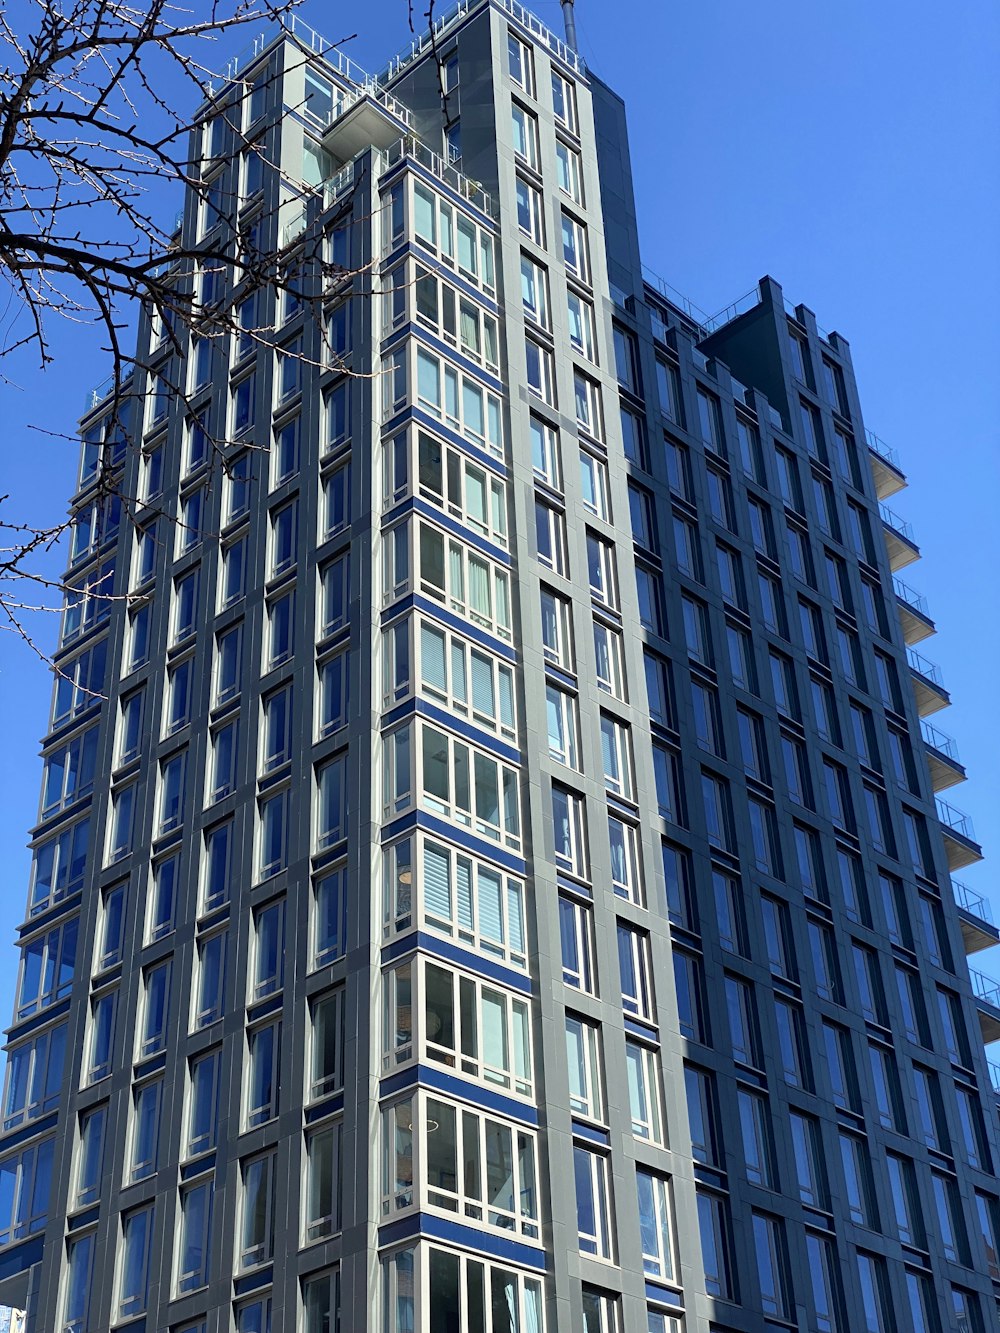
(405, 1180)
(560, 618)
(645, 1091)
(428, 1002)
(561, 710)
(474, 903)
(583, 1054)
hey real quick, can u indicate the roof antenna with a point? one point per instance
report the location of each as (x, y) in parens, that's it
(570, 23)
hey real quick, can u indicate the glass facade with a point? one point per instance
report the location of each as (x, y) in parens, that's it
(520, 899)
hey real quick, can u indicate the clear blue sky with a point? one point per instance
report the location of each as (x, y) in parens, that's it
(850, 150)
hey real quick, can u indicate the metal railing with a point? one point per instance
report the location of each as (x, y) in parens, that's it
(994, 1069)
(972, 902)
(103, 390)
(954, 819)
(543, 34)
(307, 36)
(409, 146)
(883, 450)
(426, 41)
(939, 740)
(925, 667)
(913, 599)
(676, 298)
(732, 311)
(899, 525)
(985, 987)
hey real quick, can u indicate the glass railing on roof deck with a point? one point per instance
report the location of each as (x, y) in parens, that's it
(676, 298)
(954, 819)
(410, 146)
(892, 520)
(913, 599)
(971, 902)
(427, 40)
(103, 390)
(925, 667)
(307, 36)
(732, 311)
(883, 450)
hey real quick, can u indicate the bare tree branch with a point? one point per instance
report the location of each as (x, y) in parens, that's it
(94, 139)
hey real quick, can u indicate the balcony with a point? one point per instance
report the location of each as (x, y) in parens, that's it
(942, 758)
(976, 919)
(987, 993)
(959, 837)
(994, 1069)
(367, 117)
(928, 683)
(899, 542)
(913, 613)
(888, 475)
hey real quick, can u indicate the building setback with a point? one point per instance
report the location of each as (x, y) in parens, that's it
(489, 875)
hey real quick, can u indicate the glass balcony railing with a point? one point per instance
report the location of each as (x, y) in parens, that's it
(925, 667)
(955, 820)
(994, 1069)
(985, 988)
(972, 902)
(883, 450)
(337, 184)
(409, 146)
(916, 601)
(898, 525)
(940, 742)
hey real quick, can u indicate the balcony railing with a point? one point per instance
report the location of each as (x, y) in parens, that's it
(972, 902)
(994, 1069)
(944, 744)
(925, 667)
(916, 601)
(103, 390)
(464, 185)
(337, 184)
(899, 525)
(955, 820)
(352, 98)
(883, 450)
(427, 40)
(294, 227)
(985, 988)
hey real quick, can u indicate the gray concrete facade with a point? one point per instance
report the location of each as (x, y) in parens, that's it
(490, 878)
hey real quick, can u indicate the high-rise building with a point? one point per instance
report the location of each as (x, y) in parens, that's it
(489, 875)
